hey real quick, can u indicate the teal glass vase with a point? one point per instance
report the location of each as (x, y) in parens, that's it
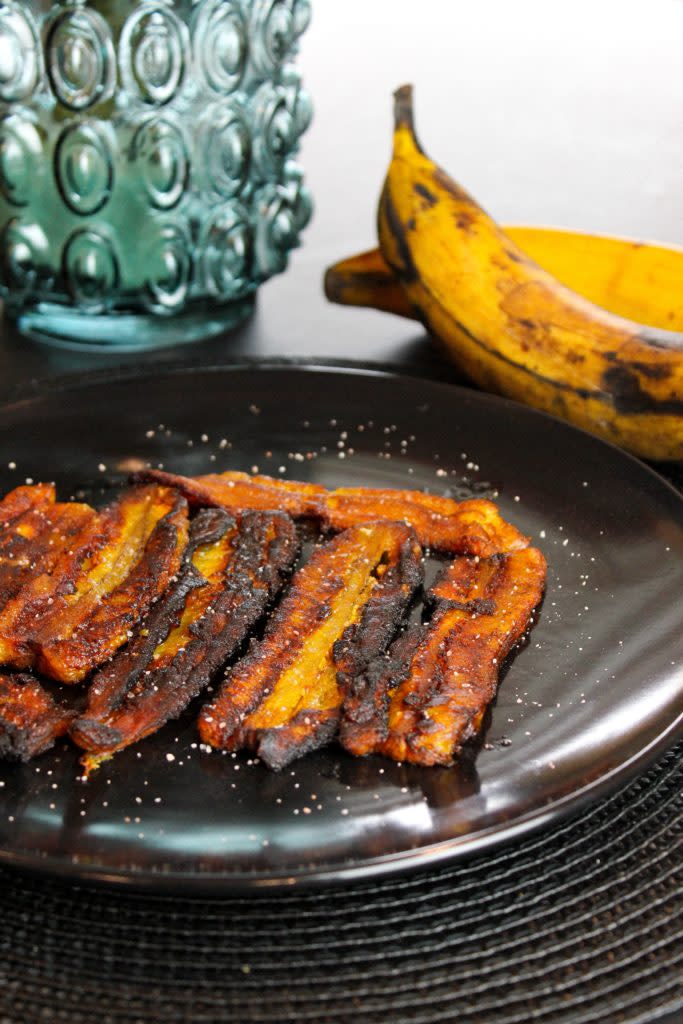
(147, 175)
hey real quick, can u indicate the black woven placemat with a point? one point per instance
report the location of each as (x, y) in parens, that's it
(580, 923)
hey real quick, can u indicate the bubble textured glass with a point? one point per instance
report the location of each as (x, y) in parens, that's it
(148, 181)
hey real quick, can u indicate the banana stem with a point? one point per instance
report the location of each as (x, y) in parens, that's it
(405, 136)
(403, 108)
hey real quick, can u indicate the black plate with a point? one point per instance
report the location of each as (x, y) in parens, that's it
(596, 693)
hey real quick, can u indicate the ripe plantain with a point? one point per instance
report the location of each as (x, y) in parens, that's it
(512, 326)
(639, 280)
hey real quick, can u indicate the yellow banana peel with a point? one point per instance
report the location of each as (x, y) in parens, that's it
(508, 320)
(641, 281)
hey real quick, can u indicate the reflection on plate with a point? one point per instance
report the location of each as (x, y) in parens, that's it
(596, 692)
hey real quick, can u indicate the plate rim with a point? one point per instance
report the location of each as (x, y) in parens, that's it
(410, 860)
(38, 387)
(421, 859)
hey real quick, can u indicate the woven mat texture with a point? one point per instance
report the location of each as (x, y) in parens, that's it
(579, 923)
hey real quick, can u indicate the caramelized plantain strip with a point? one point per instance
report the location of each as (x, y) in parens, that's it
(284, 697)
(429, 696)
(231, 572)
(31, 718)
(364, 639)
(71, 619)
(23, 499)
(34, 540)
(473, 527)
(22, 611)
(139, 568)
(235, 491)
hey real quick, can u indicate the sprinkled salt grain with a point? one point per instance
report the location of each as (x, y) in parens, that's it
(170, 757)
(11, 465)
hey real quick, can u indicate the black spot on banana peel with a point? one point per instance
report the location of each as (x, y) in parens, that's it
(628, 396)
(510, 325)
(429, 197)
(455, 191)
(654, 372)
(402, 263)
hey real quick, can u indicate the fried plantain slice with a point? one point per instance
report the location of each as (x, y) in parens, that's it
(234, 491)
(23, 499)
(231, 571)
(284, 697)
(31, 718)
(32, 541)
(67, 621)
(473, 527)
(429, 695)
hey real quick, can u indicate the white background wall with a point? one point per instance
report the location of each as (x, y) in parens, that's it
(566, 112)
(556, 112)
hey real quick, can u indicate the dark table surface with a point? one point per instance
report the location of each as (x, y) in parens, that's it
(570, 120)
